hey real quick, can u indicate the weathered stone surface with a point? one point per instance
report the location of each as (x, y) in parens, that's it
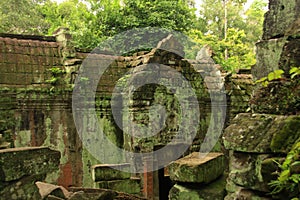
(278, 98)
(244, 194)
(171, 44)
(19, 162)
(290, 55)
(262, 133)
(104, 195)
(130, 186)
(252, 171)
(281, 15)
(195, 169)
(21, 189)
(213, 191)
(107, 172)
(268, 54)
(239, 88)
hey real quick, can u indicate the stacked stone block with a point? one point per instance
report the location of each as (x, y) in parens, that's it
(115, 177)
(239, 89)
(198, 177)
(26, 60)
(279, 47)
(257, 143)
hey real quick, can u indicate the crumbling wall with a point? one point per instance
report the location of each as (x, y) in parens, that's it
(37, 74)
(279, 47)
(259, 141)
(35, 101)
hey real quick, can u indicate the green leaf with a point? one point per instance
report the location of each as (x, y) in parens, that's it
(261, 80)
(271, 76)
(295, 178)
(284, 175)
(294, 69)
(275, 75)
(265, 84)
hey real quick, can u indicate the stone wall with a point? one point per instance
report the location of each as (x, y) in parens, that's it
(279, 47)
(256, 143)
(113, 177)
(25, 60)
(37, 75)
(259, 142)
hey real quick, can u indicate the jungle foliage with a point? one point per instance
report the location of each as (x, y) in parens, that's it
(225, 25)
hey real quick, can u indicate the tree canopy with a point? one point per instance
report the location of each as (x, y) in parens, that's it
(230, 30)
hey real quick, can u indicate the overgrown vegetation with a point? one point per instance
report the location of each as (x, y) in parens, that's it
(280, 93)
(277, 75)
(56, 77)
(56, 73)
(289, 178)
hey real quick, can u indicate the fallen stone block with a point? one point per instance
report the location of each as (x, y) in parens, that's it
(46, 189)
(213, 191)
(262, 133)
(106, 194)
(16, 163)
(107, 172)
(196, 169)
(252, 171)
(130, 186)
(23, 188)
(243, 193)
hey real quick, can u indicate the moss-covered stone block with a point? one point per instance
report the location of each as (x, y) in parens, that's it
(262, 133)
(130, 186)
(268, 56)
(103, 195)
(252, 171)
(243, 193)
(279, 97)
(16, 163)
(290, 55)
(108, 172)
(285, 138)
(197, 169)
(24, 188)
(213, 191)
(281, 15)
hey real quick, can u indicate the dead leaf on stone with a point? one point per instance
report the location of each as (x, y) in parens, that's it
(46, 189)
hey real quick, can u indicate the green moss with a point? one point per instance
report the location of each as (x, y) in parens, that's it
(285, 138)
(214, 190)
(23, 139)
(179, 192)
(48, 123)
(269, 167)
(61, 145)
